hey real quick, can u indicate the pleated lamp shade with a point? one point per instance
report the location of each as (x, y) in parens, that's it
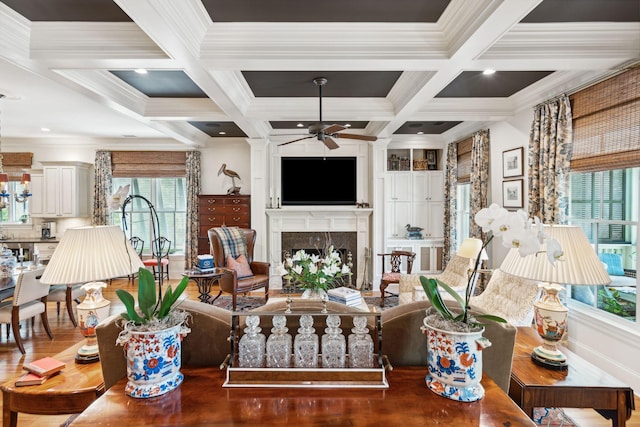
(579, 265)
(89, 254)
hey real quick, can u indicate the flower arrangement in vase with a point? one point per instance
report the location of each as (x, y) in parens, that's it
(316, 274)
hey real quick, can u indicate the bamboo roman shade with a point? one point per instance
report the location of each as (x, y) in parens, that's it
(148, 164)
(15, 164)
(606, 124)
(464, 160)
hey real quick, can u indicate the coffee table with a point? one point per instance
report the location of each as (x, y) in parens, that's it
(69, 392)
(582, 385)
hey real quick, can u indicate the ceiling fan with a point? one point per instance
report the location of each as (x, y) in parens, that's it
(325, 132)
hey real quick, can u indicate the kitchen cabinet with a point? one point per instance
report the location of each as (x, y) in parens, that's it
(63, 192)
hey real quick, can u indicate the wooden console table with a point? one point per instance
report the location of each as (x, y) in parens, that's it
(69, 392)
(582, 385)
(201, 400)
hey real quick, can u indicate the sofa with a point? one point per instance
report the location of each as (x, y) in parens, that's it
(405, 345)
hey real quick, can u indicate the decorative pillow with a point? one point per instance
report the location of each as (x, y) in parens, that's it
(240, 265)
(614, 263)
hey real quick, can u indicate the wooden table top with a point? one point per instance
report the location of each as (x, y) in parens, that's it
(201, 400)
(579, 373)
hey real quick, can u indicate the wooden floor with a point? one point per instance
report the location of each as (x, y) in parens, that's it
(37, 345)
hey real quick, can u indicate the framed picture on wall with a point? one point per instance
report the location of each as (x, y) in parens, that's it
(432, 159)
(512, 193)
(513, 162)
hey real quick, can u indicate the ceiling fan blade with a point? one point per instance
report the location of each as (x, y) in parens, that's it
(355, 136)
(333, 129)
(330, 142)
(296, 140)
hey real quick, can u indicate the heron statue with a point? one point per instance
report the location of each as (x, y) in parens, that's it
(231, 174)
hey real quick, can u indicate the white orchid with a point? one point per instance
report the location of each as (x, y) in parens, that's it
(116, 200)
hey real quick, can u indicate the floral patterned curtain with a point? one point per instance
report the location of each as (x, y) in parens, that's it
(193, 221)
(450, 202)
(102, 187)
(479, 179)
(549, 157)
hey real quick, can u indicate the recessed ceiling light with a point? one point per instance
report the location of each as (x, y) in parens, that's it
(45, 129)
(140, 71)
(300, 125)
(222, 133)
(420, 133)
(347, 125)
(488, 71)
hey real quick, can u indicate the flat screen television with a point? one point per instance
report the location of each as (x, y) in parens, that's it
(318, 181)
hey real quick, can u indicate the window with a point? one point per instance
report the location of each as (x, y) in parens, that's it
(605, 204)
(15, 211)
(168, 196)
(464, 212)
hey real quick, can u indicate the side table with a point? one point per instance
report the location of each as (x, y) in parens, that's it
(583, 385)
(69, 392)
(205, 282)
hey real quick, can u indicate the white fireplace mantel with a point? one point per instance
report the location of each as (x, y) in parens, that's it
(319, 219)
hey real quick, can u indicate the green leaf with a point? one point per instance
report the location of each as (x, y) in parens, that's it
(130, 305)
(490, 317)
(430, 287)
(453, 293)
(146, 292)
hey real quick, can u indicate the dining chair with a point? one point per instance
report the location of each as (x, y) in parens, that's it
(163, 245)
(396, 260)
(29, 300)
(67, 294)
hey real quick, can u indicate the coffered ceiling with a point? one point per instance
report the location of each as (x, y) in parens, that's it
(244, 69)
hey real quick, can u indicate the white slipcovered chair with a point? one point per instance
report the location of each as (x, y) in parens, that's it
(509, 297)
(67, 294)
(455, 274)
(29, 300)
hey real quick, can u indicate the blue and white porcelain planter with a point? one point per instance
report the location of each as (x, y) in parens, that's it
(153, 361)
(455, 363)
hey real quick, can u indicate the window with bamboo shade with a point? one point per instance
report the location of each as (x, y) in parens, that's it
(464, 160)
(148, 164)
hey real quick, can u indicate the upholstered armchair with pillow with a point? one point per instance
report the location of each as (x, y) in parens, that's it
(232, 250)
(405, 345)
(509, 297)
(455, 275)
(206, 345)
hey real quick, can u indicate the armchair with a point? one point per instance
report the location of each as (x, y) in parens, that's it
(230, 282)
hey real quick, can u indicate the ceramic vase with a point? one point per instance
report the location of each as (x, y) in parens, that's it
(153, 361)
(314, 294)
(455, 363)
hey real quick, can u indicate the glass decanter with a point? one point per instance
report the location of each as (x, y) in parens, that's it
(252, 345)
(360, 344)
(279, 344)
(306, 344)
(334, 346)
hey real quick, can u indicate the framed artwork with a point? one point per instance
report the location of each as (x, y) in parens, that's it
(512, 193)
(513, 162)
(432, 159)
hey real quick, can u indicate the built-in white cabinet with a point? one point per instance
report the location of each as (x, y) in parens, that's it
(398, 200)
(63, 191)
(428, 254)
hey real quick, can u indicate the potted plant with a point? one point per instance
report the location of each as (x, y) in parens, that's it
(316, 274)
(454, 336)
(152, 337)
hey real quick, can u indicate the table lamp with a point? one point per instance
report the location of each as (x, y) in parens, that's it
(579, 265)
(89, 255)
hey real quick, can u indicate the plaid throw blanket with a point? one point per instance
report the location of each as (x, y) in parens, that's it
(232, 240)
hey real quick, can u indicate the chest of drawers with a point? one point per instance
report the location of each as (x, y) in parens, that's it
(217, 210)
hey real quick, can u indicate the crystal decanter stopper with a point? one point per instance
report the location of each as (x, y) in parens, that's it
(252, 344)
(334, 347)
(360, 344)
(306, 344)
(279, 344)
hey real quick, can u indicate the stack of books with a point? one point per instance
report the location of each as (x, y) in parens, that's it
(347, 296)
(204, 264)
(39, 371)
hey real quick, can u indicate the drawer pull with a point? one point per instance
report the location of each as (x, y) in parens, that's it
(236, 201)
(237, 219)
(212, 219)
(211, 201)
(211, 209)
(237, 209)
